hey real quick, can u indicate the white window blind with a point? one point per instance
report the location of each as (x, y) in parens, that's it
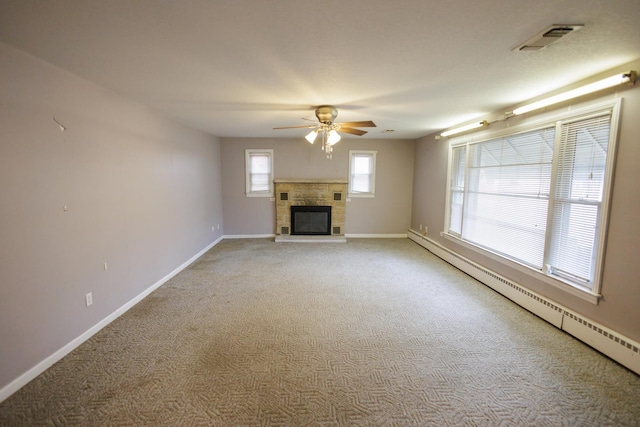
(508, 193)
(362, 166)
(260, 171)
(259, 168)
(537, 197)
(578, 196)
(458, 164)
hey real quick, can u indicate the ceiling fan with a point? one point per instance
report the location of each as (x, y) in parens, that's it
(326, 114)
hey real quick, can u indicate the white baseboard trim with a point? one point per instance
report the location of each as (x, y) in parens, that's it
(249, 236)
(376, 236)
(32, 373)
(618, 347)
(353, 236)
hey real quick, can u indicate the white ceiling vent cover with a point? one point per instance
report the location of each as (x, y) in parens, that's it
(547, 36)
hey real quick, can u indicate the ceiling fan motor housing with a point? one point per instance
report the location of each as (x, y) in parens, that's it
(326, 114)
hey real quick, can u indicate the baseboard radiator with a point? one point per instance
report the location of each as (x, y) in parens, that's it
(619, 348)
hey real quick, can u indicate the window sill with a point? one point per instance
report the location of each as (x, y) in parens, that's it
(566, 286)
(361, 195)
(259, 194)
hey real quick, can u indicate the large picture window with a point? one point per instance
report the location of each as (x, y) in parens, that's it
(538, 196)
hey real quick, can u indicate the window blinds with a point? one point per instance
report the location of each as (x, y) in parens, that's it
(577, 197)
(508, 194)
(260, 171)
(458, 162)
(361, 173)
(536, 197)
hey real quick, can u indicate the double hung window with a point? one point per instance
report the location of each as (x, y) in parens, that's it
(259, 172)
(362, 173)
(538, 196)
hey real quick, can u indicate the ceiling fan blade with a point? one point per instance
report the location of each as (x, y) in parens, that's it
(365, 124)
(352, 131)
(296, 127)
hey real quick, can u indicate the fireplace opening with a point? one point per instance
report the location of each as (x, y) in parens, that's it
(311, 220)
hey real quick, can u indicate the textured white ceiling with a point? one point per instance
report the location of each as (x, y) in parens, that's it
(238, 68)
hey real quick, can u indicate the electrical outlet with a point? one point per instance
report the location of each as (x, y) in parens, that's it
(425, 229)
(88, 299)
(420, 227)
(105, 266)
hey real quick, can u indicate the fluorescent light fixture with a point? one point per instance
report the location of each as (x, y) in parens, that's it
(583, 90)
(333, 138)
(311, 136)
(465, 128)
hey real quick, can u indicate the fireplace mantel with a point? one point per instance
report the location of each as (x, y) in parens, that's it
(310, 192)
(309, 181)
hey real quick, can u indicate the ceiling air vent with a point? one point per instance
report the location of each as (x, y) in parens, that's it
(547, 36)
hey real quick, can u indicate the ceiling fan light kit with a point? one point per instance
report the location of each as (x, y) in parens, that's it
(333, 138)
(326, 114)
(311, 136)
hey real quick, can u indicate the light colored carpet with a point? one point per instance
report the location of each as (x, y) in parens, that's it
(367, 333)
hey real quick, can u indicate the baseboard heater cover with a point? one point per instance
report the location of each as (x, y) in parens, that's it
(616, 346)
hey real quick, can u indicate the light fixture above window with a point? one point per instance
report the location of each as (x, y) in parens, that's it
(615, 80)
(460, 129)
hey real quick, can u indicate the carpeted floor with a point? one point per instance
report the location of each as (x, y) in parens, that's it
(367, 333)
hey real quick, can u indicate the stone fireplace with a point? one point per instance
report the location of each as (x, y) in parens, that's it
(318, 195)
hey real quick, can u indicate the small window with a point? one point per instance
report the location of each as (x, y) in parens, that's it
(259, 170)
(362, 173)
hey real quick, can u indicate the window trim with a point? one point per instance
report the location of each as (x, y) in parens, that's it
(372, 155)
(554, 119)
(247, 162)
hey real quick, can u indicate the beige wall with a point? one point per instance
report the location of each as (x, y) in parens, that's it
(387, 213)
(142, 194)
(618, 309)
